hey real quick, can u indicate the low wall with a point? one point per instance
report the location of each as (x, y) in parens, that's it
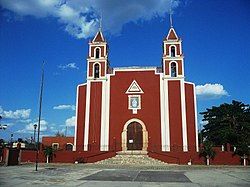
(221, 157)
(66, 156)
(30, 156)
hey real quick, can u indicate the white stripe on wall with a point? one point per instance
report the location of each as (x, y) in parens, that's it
(86, 130)
(162, 105)
(165, 130)
(107, 114)
(196, 125)
(103, 116)
(76, 124)
(167, 115)
(183, 116)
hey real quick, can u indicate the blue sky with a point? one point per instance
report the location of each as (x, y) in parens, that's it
(216, 44)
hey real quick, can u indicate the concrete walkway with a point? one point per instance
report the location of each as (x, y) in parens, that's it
(88, 175)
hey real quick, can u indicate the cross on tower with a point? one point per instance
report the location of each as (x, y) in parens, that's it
(170, 14)
(100, 23)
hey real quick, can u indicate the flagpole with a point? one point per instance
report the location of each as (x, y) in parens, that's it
(39, 118)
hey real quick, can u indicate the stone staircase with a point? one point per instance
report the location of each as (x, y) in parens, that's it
(131, 159)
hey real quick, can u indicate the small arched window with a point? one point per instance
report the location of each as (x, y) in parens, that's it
(97, 53)
(96, 71)
(172, 51)
(173, 69)
(69, 147)
(55, 146)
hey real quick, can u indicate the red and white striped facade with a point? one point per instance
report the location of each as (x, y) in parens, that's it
(158, 101)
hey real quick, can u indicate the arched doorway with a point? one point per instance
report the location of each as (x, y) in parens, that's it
(134, 136)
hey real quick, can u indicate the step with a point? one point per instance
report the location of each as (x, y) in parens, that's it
(132, 152)
(131, 159)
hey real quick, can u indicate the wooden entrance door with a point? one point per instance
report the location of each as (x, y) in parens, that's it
(134, 136)
(13, 157)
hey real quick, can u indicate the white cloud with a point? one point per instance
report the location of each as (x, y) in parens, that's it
(210, 91)
(9, 124)
(64, 107)
(80, 17)
(30, 127)
(68, 66)
(18, 114)
(43, 126)
(70, 122)
(24, 120)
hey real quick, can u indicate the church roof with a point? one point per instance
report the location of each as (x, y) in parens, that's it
(172, 34)
(98, 37)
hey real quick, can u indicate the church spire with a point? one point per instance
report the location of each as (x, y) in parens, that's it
(171, 33)
(99, 36)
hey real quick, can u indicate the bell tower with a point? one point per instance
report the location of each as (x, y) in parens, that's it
(173, 99)
(97, 58)
(97, 95)
(172, 55)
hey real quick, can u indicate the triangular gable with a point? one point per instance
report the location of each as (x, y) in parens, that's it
(172, 35)
(134, 88)
(98, 37)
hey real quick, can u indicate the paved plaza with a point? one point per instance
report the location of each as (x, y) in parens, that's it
(88, 175)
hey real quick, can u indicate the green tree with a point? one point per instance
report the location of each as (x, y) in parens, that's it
(2, 142)
(59, 134)
(207, 151)
(228, 123)
(48, 152)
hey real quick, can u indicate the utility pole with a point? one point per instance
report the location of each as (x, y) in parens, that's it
(39, 118)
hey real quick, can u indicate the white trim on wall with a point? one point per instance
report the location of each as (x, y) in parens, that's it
(100, 52)
(135, 69)
(169, 35)
(103, 116)
(165, 130)
(104, 142)
(100, 70)
(162, 105)
(172, 41)
(183, 116)
(196, 124)
(93, 59)
(177, 68)
(86, 130)
(98, 43)
(106, 139)
(169, 51)
(139, 91)
(76, 125)
(99, 61)
(57, 144)
(144, 134)
(165, 82)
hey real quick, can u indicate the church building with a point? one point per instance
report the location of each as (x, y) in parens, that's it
(143, 109)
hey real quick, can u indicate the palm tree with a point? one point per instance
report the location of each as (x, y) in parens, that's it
(48, 152)
(207, 151)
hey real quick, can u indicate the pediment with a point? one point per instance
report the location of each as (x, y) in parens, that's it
(134, 88)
